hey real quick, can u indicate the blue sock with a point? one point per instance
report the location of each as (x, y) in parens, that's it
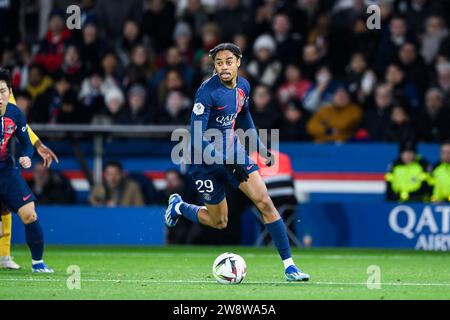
(278, 232)
(190, 211)
(35, 239)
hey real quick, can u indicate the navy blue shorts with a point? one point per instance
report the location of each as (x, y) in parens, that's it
(14, 190)
(210, 180)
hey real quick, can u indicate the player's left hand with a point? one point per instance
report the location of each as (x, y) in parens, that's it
(46, 154)
(25, 162)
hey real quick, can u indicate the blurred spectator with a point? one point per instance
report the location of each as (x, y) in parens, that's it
(182, 37)
(174, 61)
(413, 66)
(233, 18)
(265, 112)
(159, 23)
(91, 94)
(138, 111)
(63, 89)
(407, 177)
(440, 176)
(51, 48)
(40, 89)
(416, 12)
(70, 111)
(195, 16)
(443, 81)
(434, 121)
(294, 86)
(131, 37)
(24, 102)
(321, 91)
(116, 189)
(173, 81)
(112, 15)
(92, 47)
(176, 109)
(23, 59)
(210, 38)
(294, 122)
(374, 124)
(312, 60)
(264, 68)
(391, 42)
(111, 68)
(359, 79)
(287, 42)
(404, 91)
(400, 127)
(435, 33)
(51, 187)
(72, 66)
(114, 112)
(337, 122)
(141, 68)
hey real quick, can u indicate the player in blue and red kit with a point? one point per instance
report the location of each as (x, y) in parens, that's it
(14, 191)
(219, 103)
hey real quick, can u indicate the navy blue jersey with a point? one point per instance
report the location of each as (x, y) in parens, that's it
(218, 107)
(13, 123)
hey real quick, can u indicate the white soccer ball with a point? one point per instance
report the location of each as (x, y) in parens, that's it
(229, 268)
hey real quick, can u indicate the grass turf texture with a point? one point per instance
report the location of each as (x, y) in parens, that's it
(180, 273)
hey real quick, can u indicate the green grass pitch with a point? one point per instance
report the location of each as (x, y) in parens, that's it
(181, 273)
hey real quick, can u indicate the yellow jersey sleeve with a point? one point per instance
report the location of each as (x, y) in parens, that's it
(33, 137)
(12, 99)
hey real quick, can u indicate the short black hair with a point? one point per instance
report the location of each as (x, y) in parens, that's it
(5, 75)
(114, 163)
(226, 46)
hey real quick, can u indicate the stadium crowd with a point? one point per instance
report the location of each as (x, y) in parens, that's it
(317, 71)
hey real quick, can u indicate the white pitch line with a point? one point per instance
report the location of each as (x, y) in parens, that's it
(212, 281)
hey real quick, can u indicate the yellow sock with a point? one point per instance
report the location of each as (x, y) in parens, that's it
(5, 241)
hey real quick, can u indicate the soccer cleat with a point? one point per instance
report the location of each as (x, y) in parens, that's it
(8, 263)
(292, 273)
(172, 215)
(41, 268)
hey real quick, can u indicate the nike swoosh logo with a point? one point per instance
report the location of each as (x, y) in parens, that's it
(221, 108)
(249, 167)
(27, 197)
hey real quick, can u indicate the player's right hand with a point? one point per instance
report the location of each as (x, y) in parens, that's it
(238, 172)
(25, 162)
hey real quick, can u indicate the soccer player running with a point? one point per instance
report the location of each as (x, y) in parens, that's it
(47, 155)
(219, 102)
(14, 191)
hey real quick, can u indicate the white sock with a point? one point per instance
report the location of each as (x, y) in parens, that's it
(177, 208)
(288, 262)
(33, 262)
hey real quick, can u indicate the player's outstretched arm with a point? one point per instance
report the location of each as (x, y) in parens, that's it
(45, 152)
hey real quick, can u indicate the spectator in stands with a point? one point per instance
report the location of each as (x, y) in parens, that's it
(391, 42)
(92, 47)
(321, 91)
(51, 187)
(286, 41)
(443, 70)
(233, 18)
(111, 69)
(51, 49)
(265, 68)
(140, 68)
(40, 89)
(62, 88)
(404, 91)
(400, 127)
(173, 81)
(413, 66)
(131, 37)
(72, 66)
(265, 112)
(407, 177)
(114, 112)
(23, 59)
(195, 15)
(440, 175)
(24, 102)
(434, 122)
(138, 111)
(336, 122)
(182, 37)
(159, 23)
(312, 61)
(417, 11)
(112, 15)
(174, 61)
(210, 38)
(375, 119)
(360, 80)
(435, 33)
(293, 87)
(293, 123)
(116, 189)
(176, 109)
